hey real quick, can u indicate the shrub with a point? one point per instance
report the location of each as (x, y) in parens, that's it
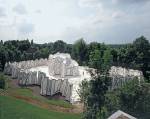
(2, 81)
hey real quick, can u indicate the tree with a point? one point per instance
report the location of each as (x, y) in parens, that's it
(93, 92)
(24, 45)
(32, 42)
(112, 101)
(142, 48)
(131, 98)
(45, 52)
(1, 67)
(93, 95)
(114, 54)
(134, 99)
(107, 60)
(3, 57)
(95, 59)
(80, 51)
(37, 55)
(2, 81)
(59, 46)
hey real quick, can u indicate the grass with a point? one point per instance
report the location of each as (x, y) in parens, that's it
(26, 92)
(11, 108)
(61, 103)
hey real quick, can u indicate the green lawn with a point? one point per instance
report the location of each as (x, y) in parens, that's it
(59, 102)
(26, 92)
(11, 108)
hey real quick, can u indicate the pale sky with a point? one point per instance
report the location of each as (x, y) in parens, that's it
(108, 21)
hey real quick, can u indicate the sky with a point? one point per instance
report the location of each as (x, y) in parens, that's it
(108, 21)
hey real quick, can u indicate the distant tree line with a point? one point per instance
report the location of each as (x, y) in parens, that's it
(135, 55)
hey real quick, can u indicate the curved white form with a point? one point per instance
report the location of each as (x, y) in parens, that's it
(60, 73)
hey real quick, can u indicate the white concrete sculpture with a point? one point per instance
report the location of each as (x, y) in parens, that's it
(61, 74)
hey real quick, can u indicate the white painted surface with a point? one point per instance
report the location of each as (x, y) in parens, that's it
(75, 81)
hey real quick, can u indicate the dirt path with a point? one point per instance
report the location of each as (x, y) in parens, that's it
(13, 83)
(77, 108)
(35, 89)
(43, 105)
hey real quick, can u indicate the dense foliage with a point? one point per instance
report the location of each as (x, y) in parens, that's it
(93, 94)
(99, 102)
(131, 98)
(2, 81)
